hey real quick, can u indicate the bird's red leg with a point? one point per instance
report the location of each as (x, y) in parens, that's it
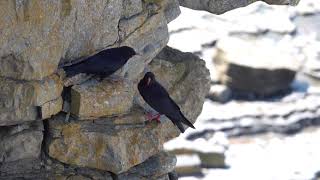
(157, 118)
(149, 116)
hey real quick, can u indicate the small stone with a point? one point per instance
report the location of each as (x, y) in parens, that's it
(51, 108)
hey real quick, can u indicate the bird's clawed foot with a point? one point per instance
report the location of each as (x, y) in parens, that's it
(157, 118)
(151, 117)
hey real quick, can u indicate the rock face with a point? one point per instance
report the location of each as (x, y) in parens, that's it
(94, 99)
(20, 142)
(20, 100)
(219, 7)
(106, 136)
(34, 42)
(254, 69)
(105, 143)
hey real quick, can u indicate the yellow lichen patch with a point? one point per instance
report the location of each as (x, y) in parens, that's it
(34, 12)
(100, 146)
(66, 8)
(101, 99)
(71, 130)
(72, 147)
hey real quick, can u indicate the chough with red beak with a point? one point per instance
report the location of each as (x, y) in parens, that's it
(158, 98)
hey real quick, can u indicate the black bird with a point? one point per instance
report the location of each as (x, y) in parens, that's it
(158, 98)
(103, 63)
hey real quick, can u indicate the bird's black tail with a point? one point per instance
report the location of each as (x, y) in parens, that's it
(180, 126)
(185, 121)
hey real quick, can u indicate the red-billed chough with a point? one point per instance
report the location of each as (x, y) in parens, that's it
(103, 63)
(158, 98)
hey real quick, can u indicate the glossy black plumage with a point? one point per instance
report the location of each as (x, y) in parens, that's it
(158, 98)
(103, 63)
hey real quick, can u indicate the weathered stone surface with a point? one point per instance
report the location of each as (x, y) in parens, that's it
(105, 143)
(94, 99)
(36, 35)
(219, 7)
(51, 108)
(148, 41)
(35, 38)
(20, 142)
(115, 144)
(19, 99)
(254, 69)
(11, 116)
(132, 7)
(156, 167)
(37, 169)
(171, 9)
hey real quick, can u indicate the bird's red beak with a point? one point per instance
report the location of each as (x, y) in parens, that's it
(148, 82)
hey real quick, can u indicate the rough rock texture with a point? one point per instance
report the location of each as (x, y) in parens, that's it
(157, 166)
(106, 136)
(94, 99)
(37, 36)
(219, 7)
(255, 69)
(105, 143)
(19, 144)
(20, 99)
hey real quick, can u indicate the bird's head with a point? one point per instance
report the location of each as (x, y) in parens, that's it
(148, 78)
(127, 51)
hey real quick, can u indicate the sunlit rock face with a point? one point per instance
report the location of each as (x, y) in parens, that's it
(125, 140)
(94, 99)
(29, 100)
(219, 7)
(38, 36)
(93, 128)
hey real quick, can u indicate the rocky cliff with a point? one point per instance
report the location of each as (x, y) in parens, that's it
(106, 136)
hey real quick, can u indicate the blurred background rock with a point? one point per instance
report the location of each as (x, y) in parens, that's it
(260, 119)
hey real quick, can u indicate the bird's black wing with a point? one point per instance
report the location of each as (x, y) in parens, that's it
(164, 104)
(158, 98)
(103, 63)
